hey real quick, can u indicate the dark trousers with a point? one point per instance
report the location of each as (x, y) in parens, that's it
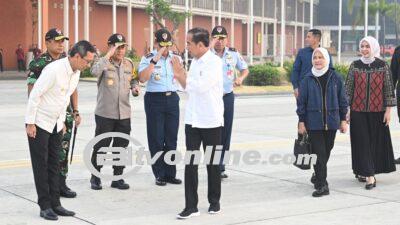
(105, 125)
(44, 150)
(162, 118)
(322, 142)
(194, 138)
(21, 64)
(229, 103)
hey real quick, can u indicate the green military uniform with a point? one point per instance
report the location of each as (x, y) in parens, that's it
(35, 69)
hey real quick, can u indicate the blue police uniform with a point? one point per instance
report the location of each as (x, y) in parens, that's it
(232, 60)
(162, 112)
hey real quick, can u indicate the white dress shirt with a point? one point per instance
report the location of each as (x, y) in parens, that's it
(204, 85)
(50, 96)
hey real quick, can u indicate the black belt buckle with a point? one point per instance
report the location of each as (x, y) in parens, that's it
(168, 93)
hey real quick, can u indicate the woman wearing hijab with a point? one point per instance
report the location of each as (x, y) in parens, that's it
(322, 108)
(371, 95)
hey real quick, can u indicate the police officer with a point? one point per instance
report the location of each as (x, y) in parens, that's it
(115, 81)
(55, 50)
(232, 60)
(161, 105)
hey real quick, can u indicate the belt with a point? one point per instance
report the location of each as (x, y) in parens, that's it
(167, 93)
(228, 93)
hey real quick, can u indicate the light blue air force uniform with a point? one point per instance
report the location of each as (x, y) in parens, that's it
(231, 60)
(162, 79)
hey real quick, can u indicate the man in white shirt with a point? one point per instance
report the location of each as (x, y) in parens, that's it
(204, 117)
(44, 120)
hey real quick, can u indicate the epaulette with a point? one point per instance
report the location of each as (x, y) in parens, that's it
(149, 55)
(176, 53)
(232, 49)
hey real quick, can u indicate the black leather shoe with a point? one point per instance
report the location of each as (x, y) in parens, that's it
(313, 178)
(48, 214)
(95, 183)
(324, 190)
(371, 185)
(397, 161)
(173, 181)
(120, 184)
(66, 192)
(61, 211)
(224, 175)
(160, 182)
(361, 178)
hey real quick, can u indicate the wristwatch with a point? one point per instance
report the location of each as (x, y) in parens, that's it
(152, 61)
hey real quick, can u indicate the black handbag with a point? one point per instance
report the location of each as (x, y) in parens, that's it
(302, 152)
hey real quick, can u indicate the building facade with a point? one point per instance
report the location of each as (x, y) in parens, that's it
(26, 22)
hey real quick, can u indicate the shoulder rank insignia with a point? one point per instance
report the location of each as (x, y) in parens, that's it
(232, 49)
(149, 55)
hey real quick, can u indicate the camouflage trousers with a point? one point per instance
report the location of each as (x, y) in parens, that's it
(63, 155)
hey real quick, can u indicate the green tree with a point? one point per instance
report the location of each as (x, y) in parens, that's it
(161, 10)
(381, 7)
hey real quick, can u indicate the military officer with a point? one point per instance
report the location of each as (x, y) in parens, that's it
(161, 105)
(115, 82)
(232, 61)
(55, 50)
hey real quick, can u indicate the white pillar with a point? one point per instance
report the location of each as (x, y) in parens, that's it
(219, 12)
(283, 32)
(66, 24)
(86, 20)
(275, 41)
(114, 16)
(129, 13)
(366, 18)
(251, 32)
(191, 16)
(213, 16)
(377, 24)
(151, 34)
(76, 20)
(40, 24)
(340, 32)
(302, 27)
(186, 30)
(311, 13)
(262, 29)
(232, 34)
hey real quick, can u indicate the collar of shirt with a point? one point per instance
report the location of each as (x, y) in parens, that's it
(68, 66)
(204, 57)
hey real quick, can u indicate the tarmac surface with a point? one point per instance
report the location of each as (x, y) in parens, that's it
(265, 192)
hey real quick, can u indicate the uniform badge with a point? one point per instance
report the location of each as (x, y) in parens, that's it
(157, 77)
(219, 29)
(119, 37)
(229, 59)
(110, 82)
(165, 36)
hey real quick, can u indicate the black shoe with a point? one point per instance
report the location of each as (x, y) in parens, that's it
(67, 192)
(223, 175)
(120, 184)
(214, 209)
(187, 213)
(397, 161)
(95, 183)
(173, 180)
(48, 214)
(61, 211)
(321, 191)
(313, 178)
(361, 178)
(160, 182)
(370, 186)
